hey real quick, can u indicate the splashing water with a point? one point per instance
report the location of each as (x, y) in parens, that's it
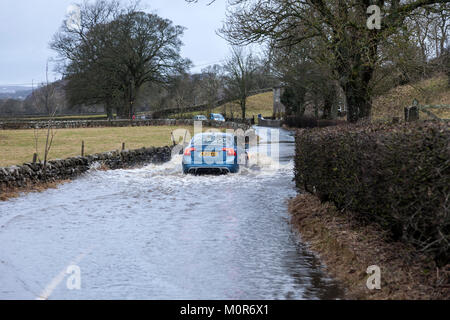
(155, 233)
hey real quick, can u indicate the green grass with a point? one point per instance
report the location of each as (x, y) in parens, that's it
(17, 146)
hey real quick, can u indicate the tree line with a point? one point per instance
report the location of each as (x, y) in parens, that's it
(116, 52)
(322, 48)
(125, 60)
(323, 53)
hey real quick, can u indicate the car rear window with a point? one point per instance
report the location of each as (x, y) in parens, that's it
(213, 139)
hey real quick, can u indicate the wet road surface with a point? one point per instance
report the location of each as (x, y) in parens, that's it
(154, 233)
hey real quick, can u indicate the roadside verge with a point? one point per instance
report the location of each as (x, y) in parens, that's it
(348, 249)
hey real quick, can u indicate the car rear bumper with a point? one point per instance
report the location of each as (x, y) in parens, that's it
(210, 169)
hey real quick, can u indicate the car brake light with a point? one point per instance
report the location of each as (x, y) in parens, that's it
(188, 151)
(230, 151)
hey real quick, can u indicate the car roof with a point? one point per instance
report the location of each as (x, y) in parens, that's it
(215, 133)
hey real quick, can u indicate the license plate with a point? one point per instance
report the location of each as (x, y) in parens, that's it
(209, 154)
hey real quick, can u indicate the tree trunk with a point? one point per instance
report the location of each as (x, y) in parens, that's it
(328, 105)
(134, 91)
(359, 105)
(357, 92)
(127, 110)
(124, 111)
(243, 107)
(355, 70)
(327, 109)
(109, 110)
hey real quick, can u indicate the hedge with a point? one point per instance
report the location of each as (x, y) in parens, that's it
(309, 122)
(396, 176)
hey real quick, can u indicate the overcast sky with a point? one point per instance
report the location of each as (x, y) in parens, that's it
(27, 26)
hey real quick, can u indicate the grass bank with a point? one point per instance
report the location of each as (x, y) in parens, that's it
(433, 91)
(348, 249)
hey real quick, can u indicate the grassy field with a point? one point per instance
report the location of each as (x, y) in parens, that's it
(258, 104)
(432, 91)
(18, 146)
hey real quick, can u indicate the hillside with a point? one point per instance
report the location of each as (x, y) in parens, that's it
(433, 91)
(258, 104)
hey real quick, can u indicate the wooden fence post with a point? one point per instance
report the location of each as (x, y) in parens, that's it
(173, 139)
(123, 146)
(82, 148)
(34, 157)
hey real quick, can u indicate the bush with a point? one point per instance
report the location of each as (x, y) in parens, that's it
(300, 122)
(397, 176)
(309, 122)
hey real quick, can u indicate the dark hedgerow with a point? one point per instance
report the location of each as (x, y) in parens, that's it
(300, 122)
(294, 121)
(397, 176)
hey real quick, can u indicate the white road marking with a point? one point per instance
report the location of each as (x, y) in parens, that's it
(45, 294)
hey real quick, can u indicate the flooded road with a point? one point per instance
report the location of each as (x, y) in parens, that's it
(154, 233)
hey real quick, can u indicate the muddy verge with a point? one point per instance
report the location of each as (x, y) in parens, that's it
(348, 249)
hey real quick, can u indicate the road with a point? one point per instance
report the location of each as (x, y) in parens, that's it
(154, 233)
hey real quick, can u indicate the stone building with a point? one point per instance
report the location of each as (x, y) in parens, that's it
(278, 107)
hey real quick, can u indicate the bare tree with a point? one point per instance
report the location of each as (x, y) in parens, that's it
(210, 84)
(440, 27)
(44, 100)
(119, 49)
(239, 76)
(181, 90)
(350, 48)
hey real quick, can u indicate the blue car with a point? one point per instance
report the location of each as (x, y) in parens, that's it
(214, 153)
(216, 117)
